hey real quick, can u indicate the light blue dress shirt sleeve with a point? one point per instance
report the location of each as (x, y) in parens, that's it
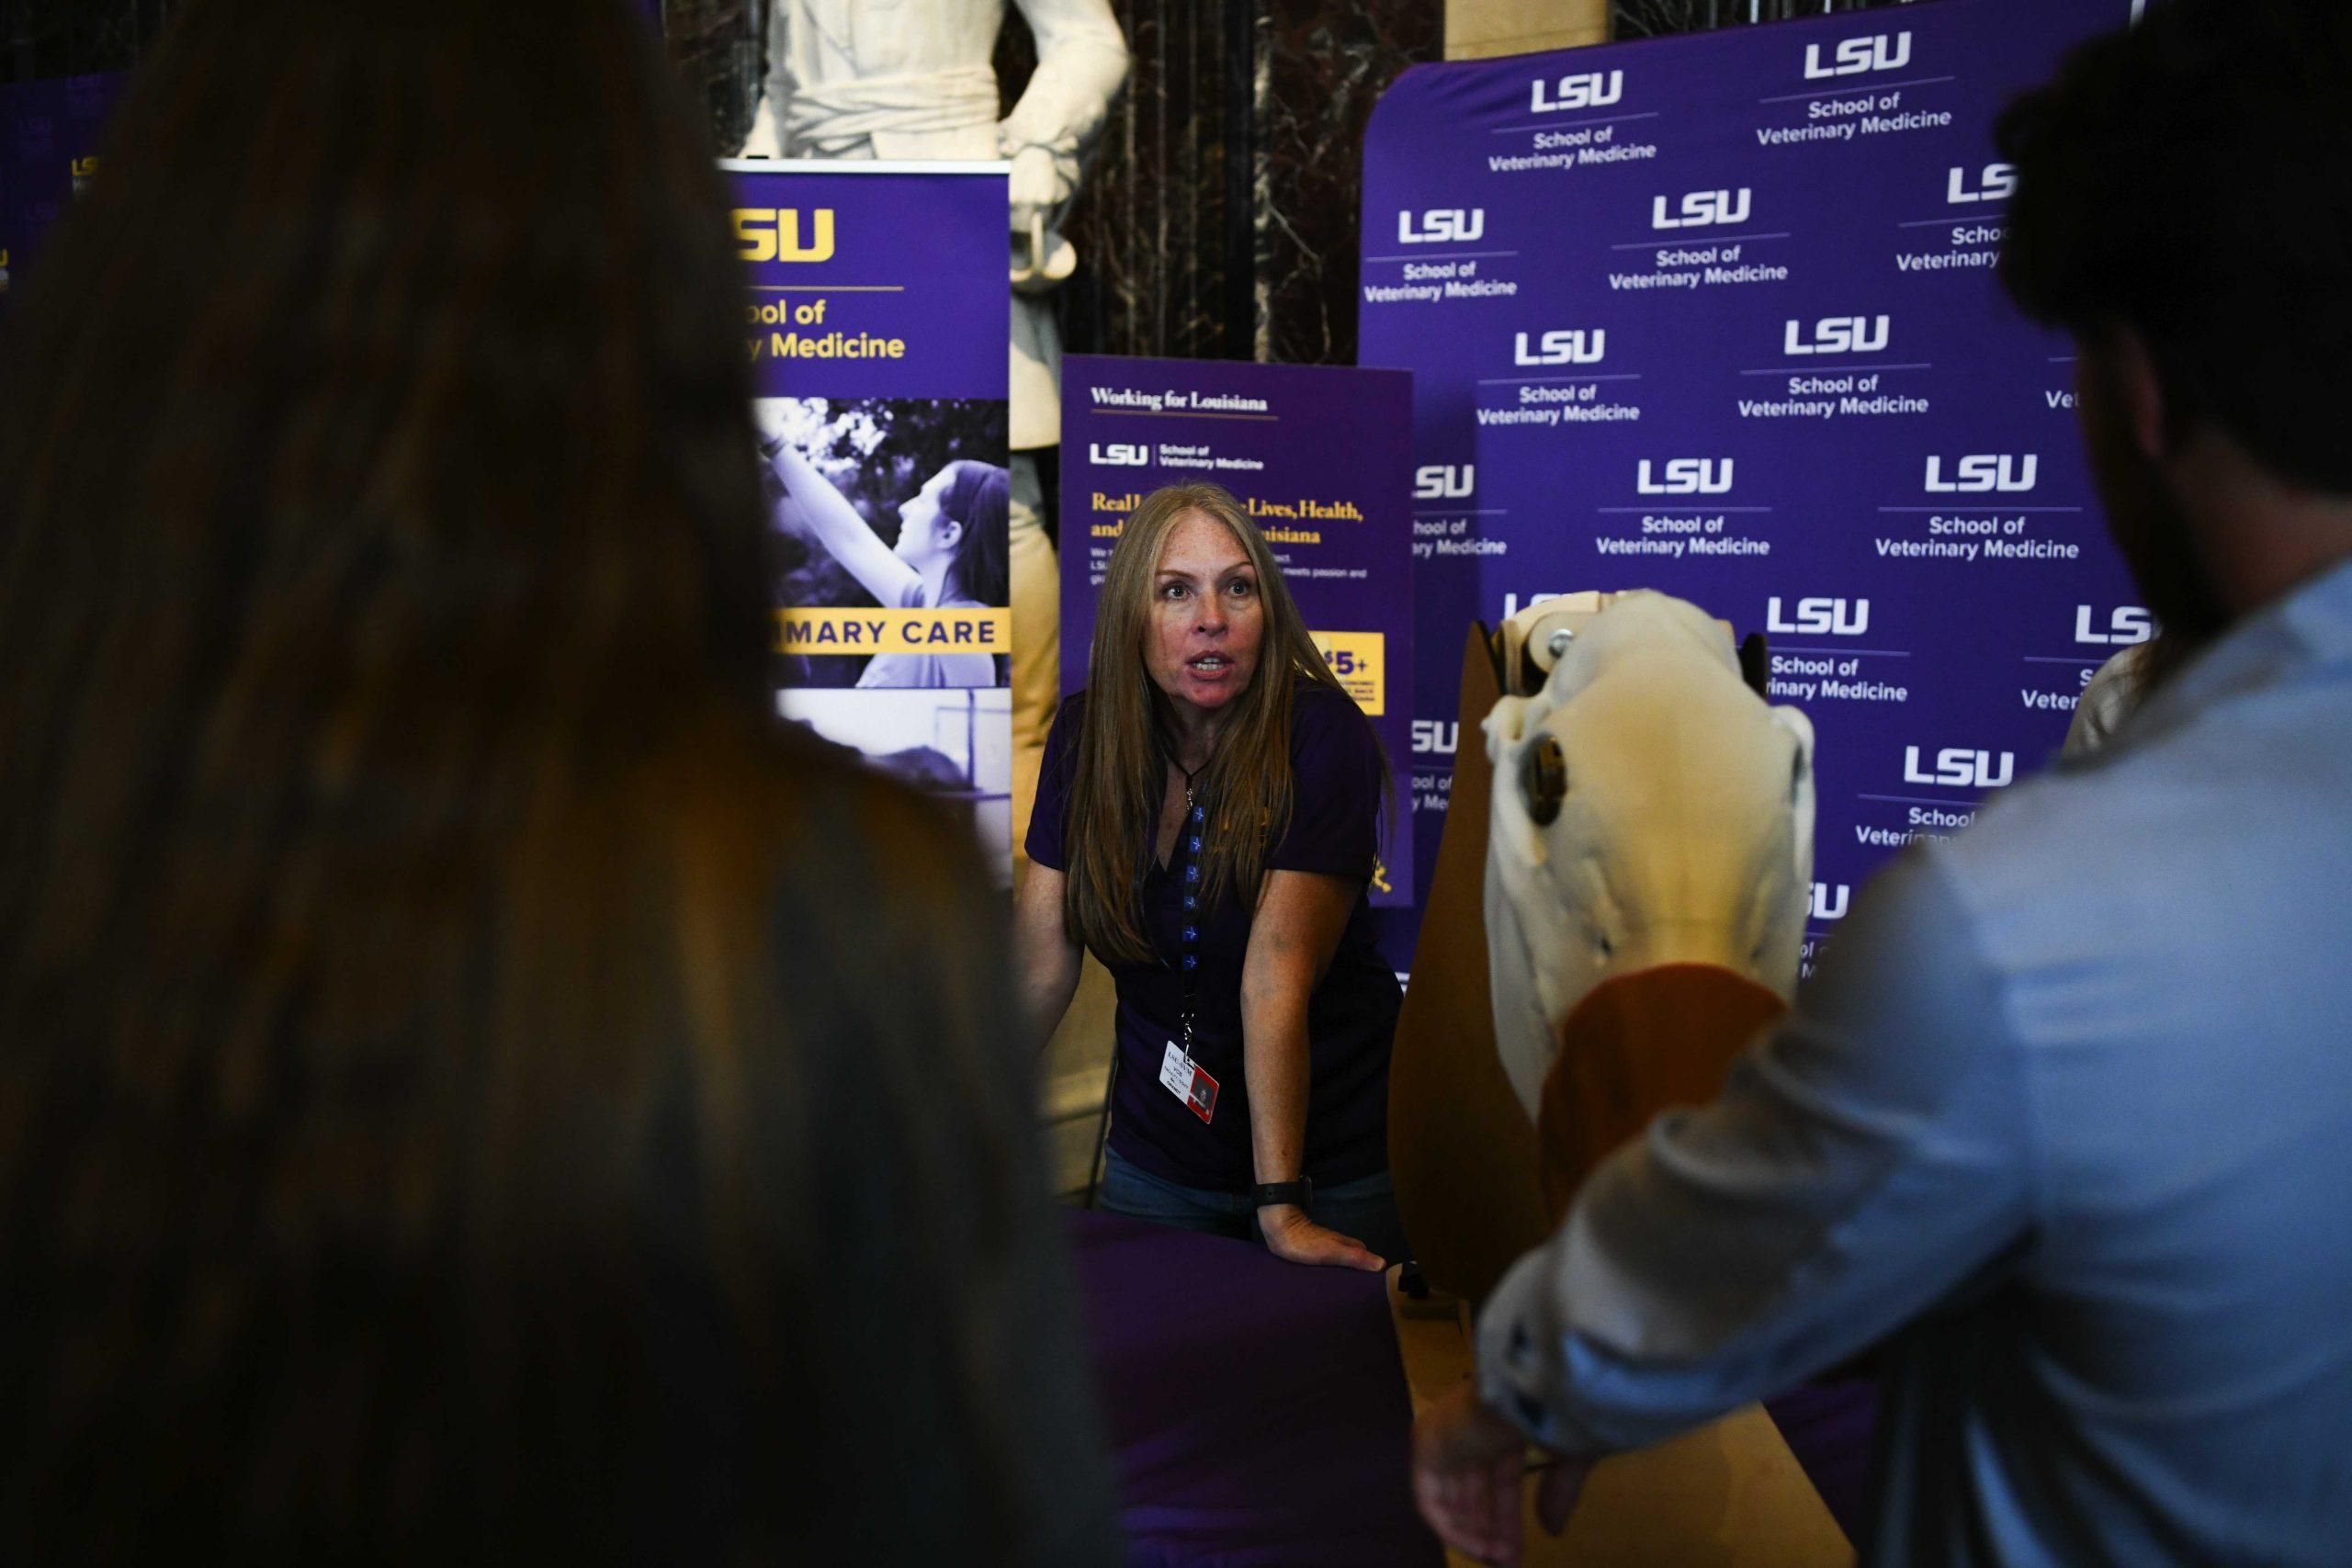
(1865, 1159)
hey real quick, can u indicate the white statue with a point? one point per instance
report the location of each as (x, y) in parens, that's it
(1649, 859)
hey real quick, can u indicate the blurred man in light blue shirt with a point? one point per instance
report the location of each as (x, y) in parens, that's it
(2066, 1117)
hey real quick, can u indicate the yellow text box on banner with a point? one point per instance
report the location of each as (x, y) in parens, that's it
(1361, 661)
(894, 631)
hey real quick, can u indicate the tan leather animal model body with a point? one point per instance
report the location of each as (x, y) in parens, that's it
(1638, 828)
(1649, 855)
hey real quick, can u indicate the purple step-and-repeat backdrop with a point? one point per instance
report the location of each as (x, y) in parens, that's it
(1717, 315)
(1321, 456)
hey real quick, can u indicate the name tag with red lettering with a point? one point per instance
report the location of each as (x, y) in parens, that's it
(1182, 1077)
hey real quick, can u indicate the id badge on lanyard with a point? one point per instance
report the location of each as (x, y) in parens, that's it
(1179, 1073)
(1188, 1081)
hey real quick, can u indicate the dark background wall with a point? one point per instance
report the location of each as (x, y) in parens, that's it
(69, 38)
(1219, 221)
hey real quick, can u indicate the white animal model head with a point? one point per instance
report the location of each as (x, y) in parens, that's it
(1652, 819)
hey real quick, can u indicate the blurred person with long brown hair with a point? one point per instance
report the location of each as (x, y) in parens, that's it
(1207, 823)
(470, 1085)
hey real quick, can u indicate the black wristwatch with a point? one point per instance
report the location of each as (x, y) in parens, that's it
(1297, 1192)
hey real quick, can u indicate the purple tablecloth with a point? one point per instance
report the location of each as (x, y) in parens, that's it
(1256, 1409)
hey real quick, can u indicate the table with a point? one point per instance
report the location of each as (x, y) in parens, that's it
(1257, 1411)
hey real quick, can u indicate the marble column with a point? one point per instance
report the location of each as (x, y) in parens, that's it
(1478, 29)
(1220, 218)
(1319, 71)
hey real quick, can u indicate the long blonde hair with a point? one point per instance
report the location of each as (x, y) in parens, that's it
(1121, 768)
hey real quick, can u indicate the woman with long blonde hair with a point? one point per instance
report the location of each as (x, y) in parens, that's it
(1206, 823)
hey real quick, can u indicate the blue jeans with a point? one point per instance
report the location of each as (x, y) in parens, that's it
(1364, 1208)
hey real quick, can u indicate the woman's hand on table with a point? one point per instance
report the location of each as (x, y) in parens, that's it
(1468, 1467)
(1290, 1234)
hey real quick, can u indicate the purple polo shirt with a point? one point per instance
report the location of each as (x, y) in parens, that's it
(1351, 1017)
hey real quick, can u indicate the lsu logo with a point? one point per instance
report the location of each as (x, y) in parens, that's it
(1564, 347)
(1957, 768)
(1435, 738)
(1686, 475)
(2127, 624)
(1593, 90)
(1860, 56)
(84, 167)
(1441, 225)
(1703, 209)
(1512, 602)
(1998, 182)
(1117, 454)
(1839, 334)
(1445, 482)
(1982, 472)
(1819, 618)
(764, 235)
(1830, 902)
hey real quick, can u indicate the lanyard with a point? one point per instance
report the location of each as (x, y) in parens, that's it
(1186, 867)
(1180, 1075)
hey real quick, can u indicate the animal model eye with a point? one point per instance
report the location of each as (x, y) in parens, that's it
(1544, 780)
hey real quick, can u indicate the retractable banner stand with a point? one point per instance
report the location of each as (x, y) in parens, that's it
(1320, 458)
(49, 143)
(880, 336)
(1717, 315)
